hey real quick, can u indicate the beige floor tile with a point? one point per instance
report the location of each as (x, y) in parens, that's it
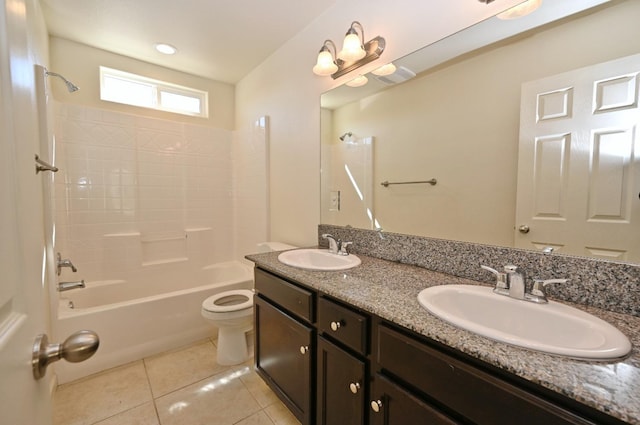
(176, 369)
(141, 415)
(259, 418)
(101, 396)
(280, 415)
(220, 400)
(258, 388)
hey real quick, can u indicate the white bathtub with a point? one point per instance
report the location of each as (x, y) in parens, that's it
(141, 318)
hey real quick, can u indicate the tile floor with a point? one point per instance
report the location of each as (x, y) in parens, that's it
(183, 386)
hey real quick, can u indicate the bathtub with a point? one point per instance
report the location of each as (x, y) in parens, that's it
(140, 318)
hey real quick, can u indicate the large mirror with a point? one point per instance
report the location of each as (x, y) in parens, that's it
(458, 121)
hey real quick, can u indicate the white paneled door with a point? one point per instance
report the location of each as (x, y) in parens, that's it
(578, 166)
(23, 399)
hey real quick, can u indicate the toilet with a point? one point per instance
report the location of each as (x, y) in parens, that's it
(232, 313)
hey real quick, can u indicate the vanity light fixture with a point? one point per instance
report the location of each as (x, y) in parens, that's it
(354, 54)
(520, 10)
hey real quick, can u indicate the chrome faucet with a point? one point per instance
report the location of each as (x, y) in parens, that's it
(515, 282)
(60, 263)
(67, 286)
(335, 245)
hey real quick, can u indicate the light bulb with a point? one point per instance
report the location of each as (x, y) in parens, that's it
(325, 64)
(387, 69)
(358, 81)
(520, 10)
(352, 48)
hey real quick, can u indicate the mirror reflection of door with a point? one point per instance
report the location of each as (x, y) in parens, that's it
(580, 147)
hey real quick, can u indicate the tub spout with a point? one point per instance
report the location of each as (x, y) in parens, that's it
(67, 286)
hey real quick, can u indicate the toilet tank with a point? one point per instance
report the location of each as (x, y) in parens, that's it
(274, 246)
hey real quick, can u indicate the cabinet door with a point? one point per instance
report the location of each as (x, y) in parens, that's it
(391, 405)
(284, 357)
(341, 386)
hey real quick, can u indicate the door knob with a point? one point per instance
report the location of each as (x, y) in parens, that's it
(524, 229)
(376, 405)
(78, 347)
(354, 387)
(304, 349)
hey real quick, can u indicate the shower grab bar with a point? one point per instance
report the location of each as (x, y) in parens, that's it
(44, 166)
(432, 182)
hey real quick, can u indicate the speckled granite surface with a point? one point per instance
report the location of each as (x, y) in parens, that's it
(603, 284)
(389, 289)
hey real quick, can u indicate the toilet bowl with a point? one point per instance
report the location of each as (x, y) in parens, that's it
(232, 313)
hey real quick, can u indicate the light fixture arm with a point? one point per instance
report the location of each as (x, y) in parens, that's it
(352, 30)
(327, 46)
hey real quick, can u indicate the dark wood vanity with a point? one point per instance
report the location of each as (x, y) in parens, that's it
(332, 363)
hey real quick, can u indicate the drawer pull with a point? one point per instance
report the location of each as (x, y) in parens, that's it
(354, 387)
(376, 405)
(304, 349)
(335, 326)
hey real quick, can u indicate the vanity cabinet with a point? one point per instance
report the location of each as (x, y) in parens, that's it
(342, 378)
(413, 372)
(285, 342)
(332, 363)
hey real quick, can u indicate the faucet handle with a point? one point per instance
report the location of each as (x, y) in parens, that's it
(60, 263)
(538, 293)
(343, 248)
(501, 278)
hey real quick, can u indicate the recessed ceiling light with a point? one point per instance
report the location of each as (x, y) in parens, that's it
(167, 49)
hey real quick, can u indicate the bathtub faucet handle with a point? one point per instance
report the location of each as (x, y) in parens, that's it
(60, 263)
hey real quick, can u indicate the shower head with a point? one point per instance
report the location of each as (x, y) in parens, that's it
(345, 135)
(70, 86)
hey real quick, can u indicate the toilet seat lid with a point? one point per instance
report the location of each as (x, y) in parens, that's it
(235, 300)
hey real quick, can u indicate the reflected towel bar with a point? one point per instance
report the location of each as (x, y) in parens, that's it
(432, 182)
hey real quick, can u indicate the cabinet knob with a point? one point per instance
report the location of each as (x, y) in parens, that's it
(376, 405)
(304, 349)
(354, 387)
(335, 326)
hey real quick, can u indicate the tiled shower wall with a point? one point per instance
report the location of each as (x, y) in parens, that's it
(134, 192)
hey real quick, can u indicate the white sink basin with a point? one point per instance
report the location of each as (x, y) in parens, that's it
(318, 259)
(551, 328)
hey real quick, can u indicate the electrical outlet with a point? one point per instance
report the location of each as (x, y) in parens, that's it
(334, 200)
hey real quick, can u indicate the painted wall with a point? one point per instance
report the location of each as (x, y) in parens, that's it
(447, 124)
(284, 88)
(80, 64)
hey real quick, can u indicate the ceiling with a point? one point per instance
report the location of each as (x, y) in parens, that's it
(222, 40)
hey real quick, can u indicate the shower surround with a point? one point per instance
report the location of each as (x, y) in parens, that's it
(152, 209)
(131, 189)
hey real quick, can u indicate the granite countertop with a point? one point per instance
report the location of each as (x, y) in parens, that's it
(389, 290)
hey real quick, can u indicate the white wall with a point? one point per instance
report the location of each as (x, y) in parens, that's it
(285, 88)
(80, 64)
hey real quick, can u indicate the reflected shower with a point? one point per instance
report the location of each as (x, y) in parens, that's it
(345, 135)
(70, 86)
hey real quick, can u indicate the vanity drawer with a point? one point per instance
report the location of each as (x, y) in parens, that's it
(292, 298)
(464, 389)
(343, 324)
